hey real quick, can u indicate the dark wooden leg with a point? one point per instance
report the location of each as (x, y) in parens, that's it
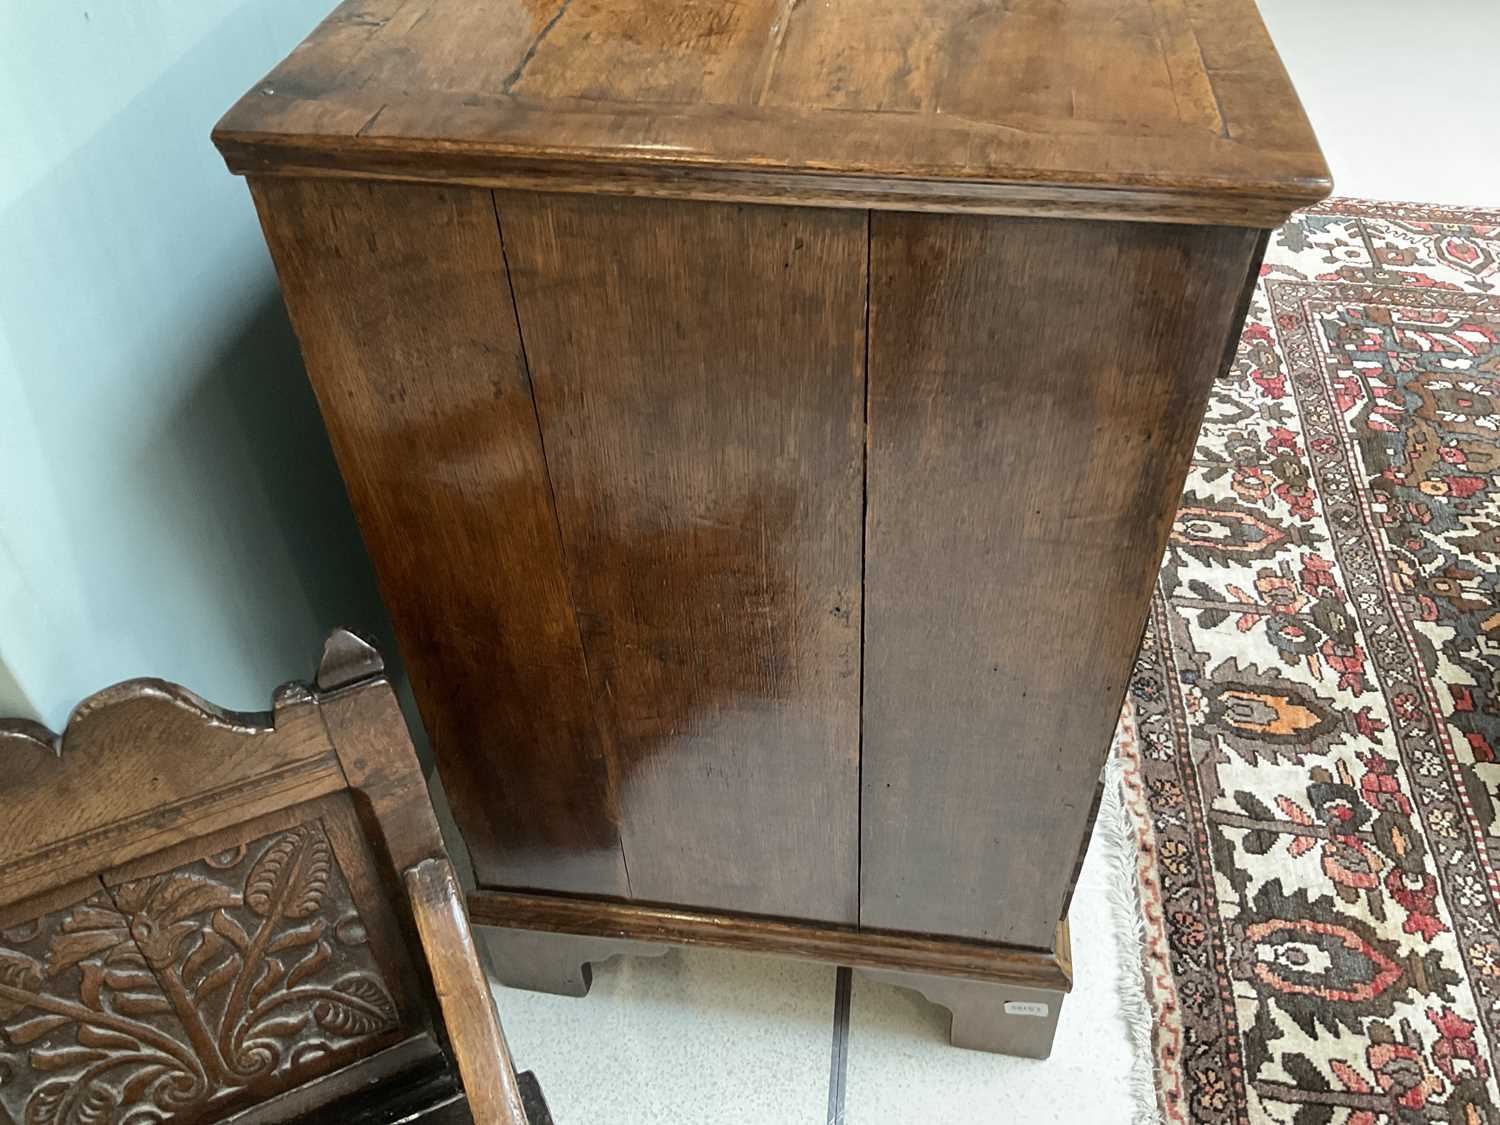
(548, 962)
(1003, 1018)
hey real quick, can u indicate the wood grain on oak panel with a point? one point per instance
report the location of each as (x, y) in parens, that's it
(1183, 96)
(400, 299)
(1035, 391)
(699, 376)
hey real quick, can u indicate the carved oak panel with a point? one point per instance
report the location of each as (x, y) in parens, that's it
(175, 997)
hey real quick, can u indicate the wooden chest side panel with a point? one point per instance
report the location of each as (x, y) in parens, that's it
(699, 374)
(400, 300)
(1035, 392)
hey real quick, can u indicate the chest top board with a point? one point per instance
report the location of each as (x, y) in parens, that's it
(1174, 110)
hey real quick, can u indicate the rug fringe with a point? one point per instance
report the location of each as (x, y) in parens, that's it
(1120, 845)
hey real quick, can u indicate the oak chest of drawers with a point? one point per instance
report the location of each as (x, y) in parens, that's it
(766, 419)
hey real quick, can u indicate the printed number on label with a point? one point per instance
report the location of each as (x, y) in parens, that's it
(1025, 1008)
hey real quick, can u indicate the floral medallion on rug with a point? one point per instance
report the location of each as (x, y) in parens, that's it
(1314, 772)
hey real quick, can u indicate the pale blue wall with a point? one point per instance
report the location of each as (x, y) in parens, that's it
(168, 504)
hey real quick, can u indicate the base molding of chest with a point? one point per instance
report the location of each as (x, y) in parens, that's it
(1004, 999)
(857, 948)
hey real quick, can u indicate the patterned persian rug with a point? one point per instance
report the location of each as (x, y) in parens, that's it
(1309, 755)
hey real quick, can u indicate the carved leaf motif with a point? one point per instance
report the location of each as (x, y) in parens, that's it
(219, 977)
(307, 1054)
(160, 910)
(90, 1035)
(261, 927)
(19, 935)
(20, 972)
(226, 927)
(186, 895)
(291, 876)
(33, 1029)
(96, 1106)
(128, 978)
(281, 1027)
(87, 929)
(141, 1003)
(135, 1088)
(362, 1009)
(271, 973)
(68, 949)
(302, 935)
(57, 1058)
(124, 954)
(309, 964)
(91, 915)
(209, 946)
(90, 983)
(46, 1102)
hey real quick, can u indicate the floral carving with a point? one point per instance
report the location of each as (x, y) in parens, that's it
(163, 998)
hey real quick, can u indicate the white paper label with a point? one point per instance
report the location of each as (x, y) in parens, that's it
(1025, 1008)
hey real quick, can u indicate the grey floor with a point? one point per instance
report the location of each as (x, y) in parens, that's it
(1406, 101)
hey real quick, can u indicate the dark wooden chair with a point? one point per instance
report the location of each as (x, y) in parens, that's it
(209, 916)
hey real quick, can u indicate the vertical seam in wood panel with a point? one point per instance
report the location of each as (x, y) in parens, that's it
(562, 546)
(864, 543)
